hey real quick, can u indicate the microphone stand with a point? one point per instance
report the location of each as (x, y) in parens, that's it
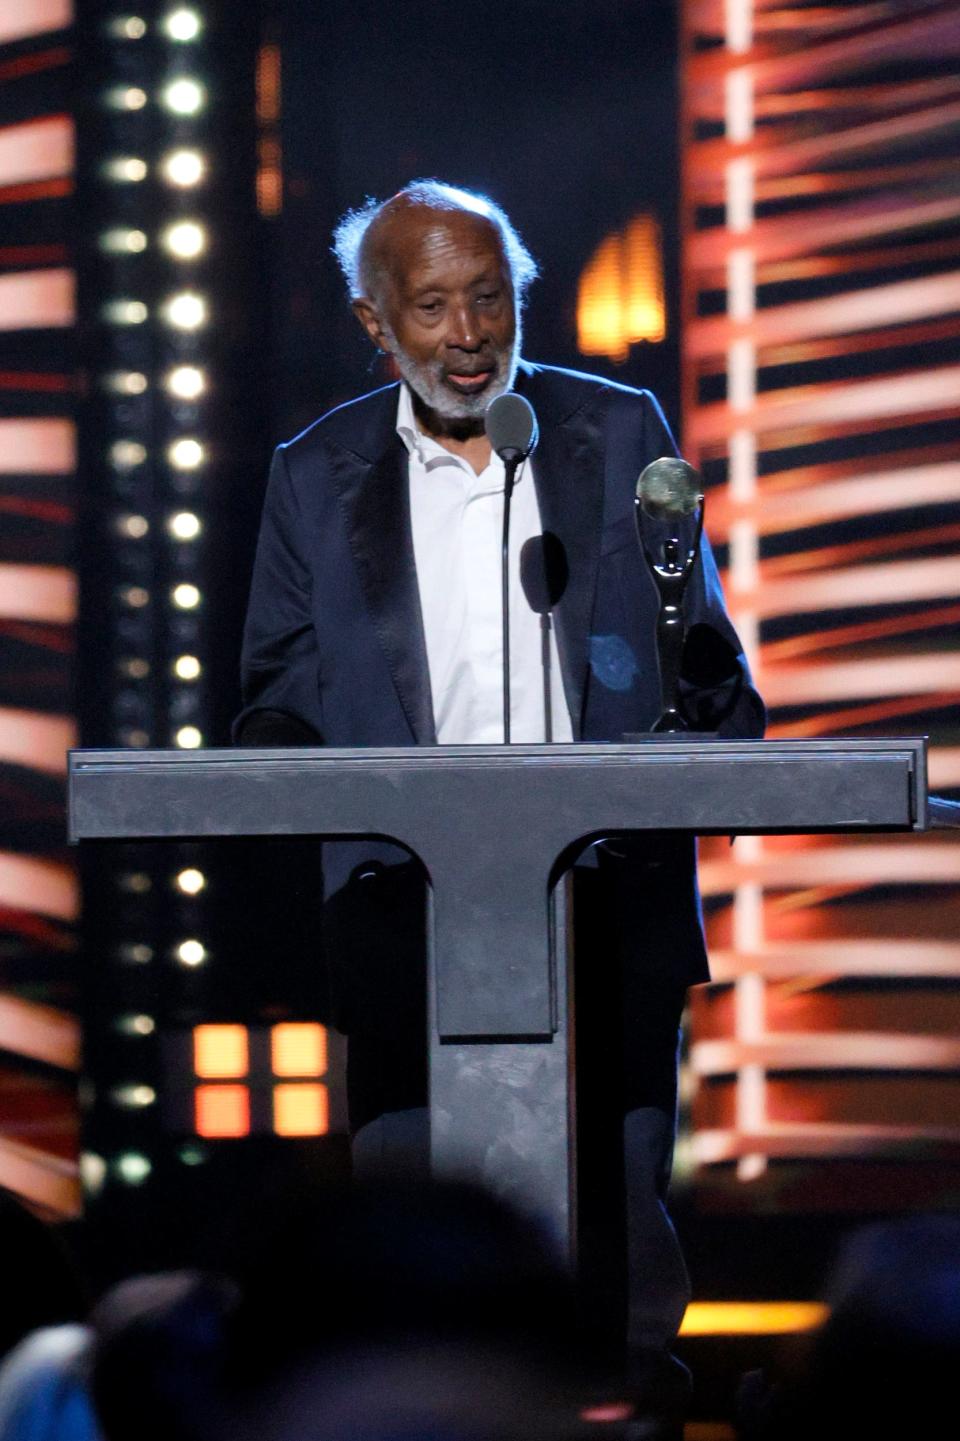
(545, 628)
(511, 464)
(511, 428)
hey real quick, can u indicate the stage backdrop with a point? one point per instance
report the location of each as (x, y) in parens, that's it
(821, 377)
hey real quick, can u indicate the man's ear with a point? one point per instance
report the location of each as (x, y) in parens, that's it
(369, 317)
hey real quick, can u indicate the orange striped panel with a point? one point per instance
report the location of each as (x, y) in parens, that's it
(46, 887)
(22, 18)
(857, 310)
(38, 592)
(847, 863)
(822, 410)
(49, 1182)
(35, 299)
(41, 1033)
(35, 739)
(37, 447)
(36, 150)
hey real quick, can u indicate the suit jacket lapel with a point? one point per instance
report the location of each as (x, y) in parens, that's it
(568, 467)
(376, 498)
(371, 476)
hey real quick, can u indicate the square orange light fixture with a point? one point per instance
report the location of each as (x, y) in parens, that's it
(300, 1110)
(222, 1111)
(298, 1049)
(221, 1052)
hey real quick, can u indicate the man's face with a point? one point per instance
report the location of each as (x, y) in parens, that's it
(445, 309)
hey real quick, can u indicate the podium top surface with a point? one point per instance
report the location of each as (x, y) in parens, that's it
(416, 794)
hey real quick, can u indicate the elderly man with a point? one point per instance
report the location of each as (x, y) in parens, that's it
(375, 619)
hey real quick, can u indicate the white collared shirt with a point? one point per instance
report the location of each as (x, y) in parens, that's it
(457, 519)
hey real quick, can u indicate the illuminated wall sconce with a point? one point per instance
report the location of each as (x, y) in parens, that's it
(620, 299)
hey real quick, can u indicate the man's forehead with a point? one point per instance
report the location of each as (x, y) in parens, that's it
(412, 237)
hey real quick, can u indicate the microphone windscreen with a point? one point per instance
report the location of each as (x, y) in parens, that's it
(669, 487)
(511, 426)
(544, 571)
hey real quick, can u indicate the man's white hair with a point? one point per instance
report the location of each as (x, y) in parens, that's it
(350, 234)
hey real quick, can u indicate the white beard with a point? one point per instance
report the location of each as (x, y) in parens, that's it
(426, 381)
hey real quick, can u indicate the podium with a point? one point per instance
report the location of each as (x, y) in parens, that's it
(490, 824)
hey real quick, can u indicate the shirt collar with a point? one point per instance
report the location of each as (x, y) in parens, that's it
(407, 428)
(428, 452)
(424, 448)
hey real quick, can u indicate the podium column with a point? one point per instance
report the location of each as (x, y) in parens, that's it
(502, 1110)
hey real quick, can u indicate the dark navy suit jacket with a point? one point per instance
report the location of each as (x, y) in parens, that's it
(334, 648)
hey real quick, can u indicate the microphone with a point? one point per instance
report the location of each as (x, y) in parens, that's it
(668, 487)
(511, 428)
(544, 573)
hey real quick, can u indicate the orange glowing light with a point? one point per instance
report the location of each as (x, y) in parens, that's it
(298, 1049)
(268, 83)
(621, 296)
(269, 151)
(221, 1051)
(752, 1318)
(269, 177)
(222, 1111)
(301, 1110)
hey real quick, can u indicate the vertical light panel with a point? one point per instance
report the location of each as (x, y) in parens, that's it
(821, 354)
